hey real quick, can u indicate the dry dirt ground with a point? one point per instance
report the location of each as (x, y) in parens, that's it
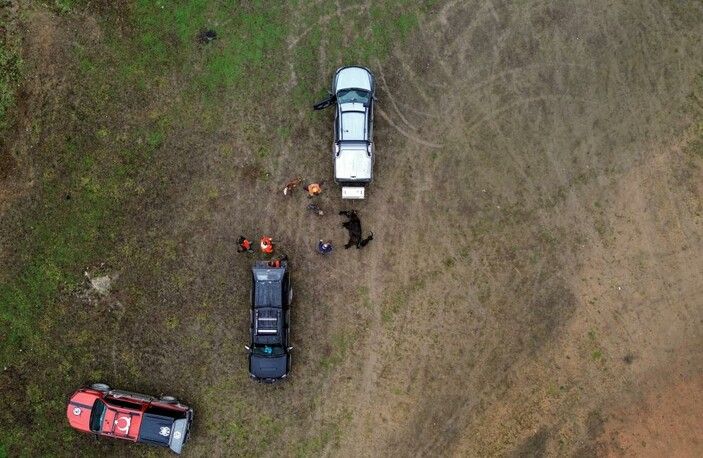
(535, 286)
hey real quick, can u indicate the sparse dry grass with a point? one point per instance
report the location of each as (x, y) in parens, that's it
(536, 257)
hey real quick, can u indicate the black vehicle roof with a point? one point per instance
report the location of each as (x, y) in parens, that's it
(268, 326)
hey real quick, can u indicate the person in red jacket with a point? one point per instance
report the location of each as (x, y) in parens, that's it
(244, 245)
(266, 245)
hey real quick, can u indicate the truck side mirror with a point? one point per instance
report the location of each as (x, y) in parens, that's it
(247, 348)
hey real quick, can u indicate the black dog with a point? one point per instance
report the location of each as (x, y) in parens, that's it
(354, 228)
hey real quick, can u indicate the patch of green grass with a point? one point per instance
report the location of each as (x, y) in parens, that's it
(340, 346)
(66, 234)
(100, 162)
(313, 446)
(239, 424)
(64, 6)
(155, 138)
(398, 391)
(85, 176)
(552, 390)
(374, 34)
(10, 74)
(328, 435)
(596, 352)
(390, 24)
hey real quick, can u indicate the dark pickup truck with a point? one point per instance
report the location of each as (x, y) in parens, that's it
(271, 296)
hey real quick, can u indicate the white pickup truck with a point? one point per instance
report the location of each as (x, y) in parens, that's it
(353, 90)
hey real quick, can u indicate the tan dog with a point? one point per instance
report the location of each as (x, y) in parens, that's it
(292, 184)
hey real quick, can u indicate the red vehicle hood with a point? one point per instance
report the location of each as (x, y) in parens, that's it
(78, 410)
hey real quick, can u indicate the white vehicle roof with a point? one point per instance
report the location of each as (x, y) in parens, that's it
(353, 126)
(353, 77)
(353, 163)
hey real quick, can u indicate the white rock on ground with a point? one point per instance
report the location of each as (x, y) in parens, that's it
(101, 284)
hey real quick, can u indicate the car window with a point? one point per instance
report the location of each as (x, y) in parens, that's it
(96, 415)
(354, 96)
(268, 350)
(124, 404)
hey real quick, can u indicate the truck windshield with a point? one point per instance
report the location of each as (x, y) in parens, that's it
(96, 415)
(353, 96)
(267, 350)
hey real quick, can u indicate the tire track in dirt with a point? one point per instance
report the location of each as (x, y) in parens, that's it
(387, 253)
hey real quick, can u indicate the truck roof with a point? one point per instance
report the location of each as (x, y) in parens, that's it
(352, 124)
(268, 326)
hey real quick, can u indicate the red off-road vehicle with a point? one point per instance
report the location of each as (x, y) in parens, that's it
(163, 421)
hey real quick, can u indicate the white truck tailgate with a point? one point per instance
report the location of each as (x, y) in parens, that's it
(353, 192)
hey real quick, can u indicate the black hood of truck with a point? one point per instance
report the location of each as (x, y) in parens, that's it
(268, 367)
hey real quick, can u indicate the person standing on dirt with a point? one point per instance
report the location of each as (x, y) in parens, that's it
(324, 247)
(316, 209)
(276, 263)
(244, 245)
(314, 189)
(266, 243)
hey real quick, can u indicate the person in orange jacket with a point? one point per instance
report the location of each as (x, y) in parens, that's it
(276, 262)
(266, 245)
(314, 189)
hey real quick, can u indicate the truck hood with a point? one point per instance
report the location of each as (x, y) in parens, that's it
(265, 367)
(78, 411)
(353, 163)
(353, 78)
